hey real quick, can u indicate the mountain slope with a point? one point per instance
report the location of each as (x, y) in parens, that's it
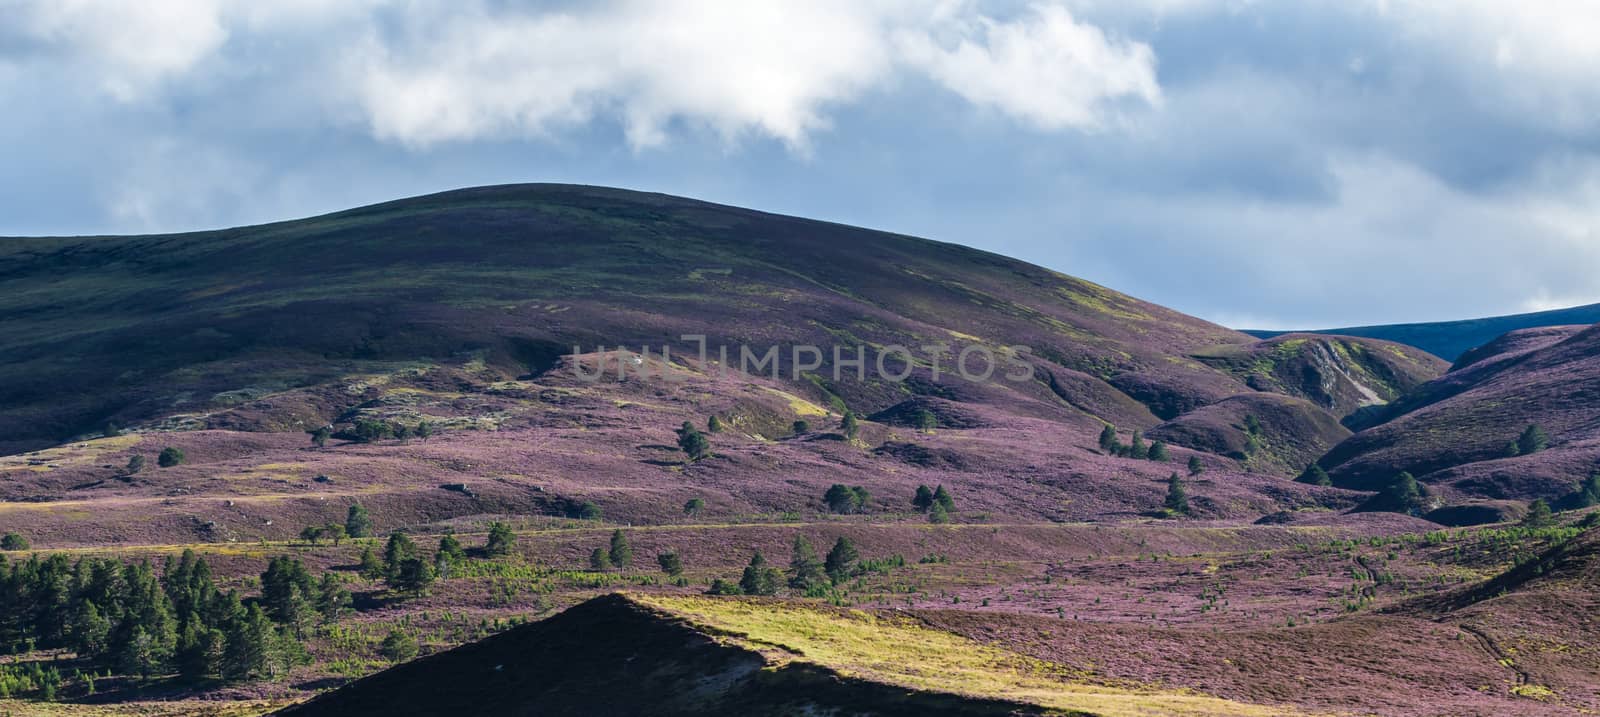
(1452, 339)
(508, 279)
(1453, 433)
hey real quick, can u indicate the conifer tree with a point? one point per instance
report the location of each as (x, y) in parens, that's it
(1108, 438)
(805, 568)
(1177, 498)
(621, 553)
(357, 524)
(842, 560)
(502, 540)
(671, 563)
(1532, 440)
(397, 551)
(760, 578)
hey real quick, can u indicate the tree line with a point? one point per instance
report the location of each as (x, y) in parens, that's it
(126, 616)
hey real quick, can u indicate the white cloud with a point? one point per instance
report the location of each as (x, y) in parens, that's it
(124, 47)
(769, 68)
(1047, 69)
(733, 67)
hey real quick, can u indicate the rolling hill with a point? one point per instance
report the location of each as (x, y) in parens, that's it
(1452, 339)
(128, 330)
(1454, 433)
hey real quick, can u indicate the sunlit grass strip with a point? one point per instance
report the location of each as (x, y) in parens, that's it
(901, 651)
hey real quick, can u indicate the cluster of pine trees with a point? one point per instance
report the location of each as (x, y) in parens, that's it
(808, 574)
(126, 617)
(1135, 448)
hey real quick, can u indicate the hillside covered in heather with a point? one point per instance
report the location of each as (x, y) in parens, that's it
(133, 329)
(1462, 435)
(288, 418)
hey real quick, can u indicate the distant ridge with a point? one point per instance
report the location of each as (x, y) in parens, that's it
(1450, 339)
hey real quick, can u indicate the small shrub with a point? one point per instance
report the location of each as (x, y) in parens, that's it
(398, 646)
(170, 457)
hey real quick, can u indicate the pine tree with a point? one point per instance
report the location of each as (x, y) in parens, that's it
(671, 563)
(425, 430)
(91, 631)
(1195, 466)
(371, 567)
(140, 654)
(923, 500)
(1539, 515)
(926, 421)
(713, 424)
(319, 437)
(943, 498)
(1108, 438)
(1532, 440)
(502, 541)
(288, 593)
(693, 506)
(842, 560)
(1136, 448)
(450, 551)
(589, 511)
(805, 568)
(398, 550)
(332, 598)
(760, 578)
(850, 426)
(1158, 452)
(250, 646)
(938, 514)
(621, 553)
(200, 650)
(414, 575)
(311, 534)
(599, 560)
(841, 498)
(357, 524)
(1402, 495)
(135, 464)
(1177, 498)
(693, 443)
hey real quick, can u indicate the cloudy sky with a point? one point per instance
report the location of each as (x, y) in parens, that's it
(1260, 164)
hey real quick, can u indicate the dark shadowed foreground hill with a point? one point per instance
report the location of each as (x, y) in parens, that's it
(132, 329)
(615, 656)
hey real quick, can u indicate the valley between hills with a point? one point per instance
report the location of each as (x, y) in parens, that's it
(349, 465)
